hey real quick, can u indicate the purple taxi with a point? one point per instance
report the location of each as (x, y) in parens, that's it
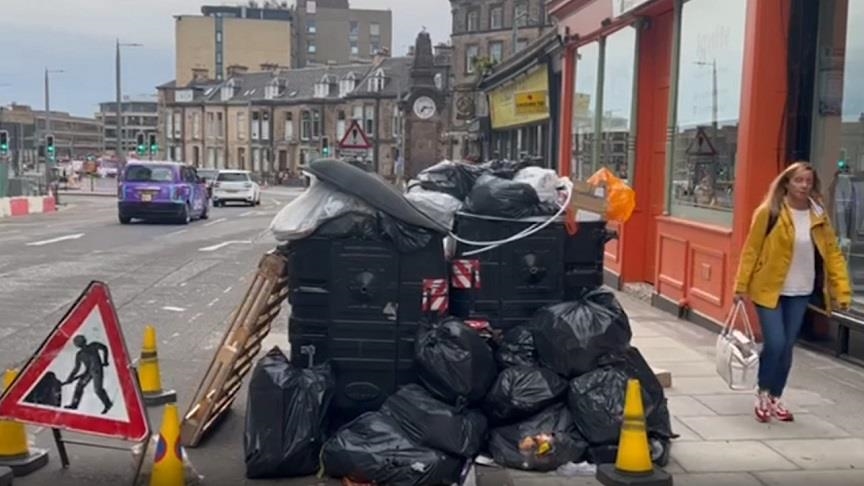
(161, 191)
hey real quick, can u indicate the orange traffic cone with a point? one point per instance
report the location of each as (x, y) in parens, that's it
(148, 373)
(15, 453)
(168, 459)
(633, 464)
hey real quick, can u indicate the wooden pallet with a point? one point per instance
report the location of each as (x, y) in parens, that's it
(249, 324)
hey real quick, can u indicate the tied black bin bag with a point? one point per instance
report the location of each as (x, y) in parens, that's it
(494, 196)
(596, 399)
(570, 337)
(453, 178)
(285, 417)
(522, 391)
(373, 448)
(432, 423)
(454, 362)
(543, 442)
(516, 348)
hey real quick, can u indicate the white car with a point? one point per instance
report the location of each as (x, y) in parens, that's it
(236, 186)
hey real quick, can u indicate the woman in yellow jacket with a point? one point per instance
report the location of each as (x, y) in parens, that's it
(790, 260)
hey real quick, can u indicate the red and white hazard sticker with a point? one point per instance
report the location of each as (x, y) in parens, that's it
(435, 295)
(466, 274)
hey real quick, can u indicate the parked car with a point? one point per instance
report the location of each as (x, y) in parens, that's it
(209, 176)
(161, 191)
(236, 186)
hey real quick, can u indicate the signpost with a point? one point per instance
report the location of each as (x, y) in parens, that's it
(81, 379)
(355, 143)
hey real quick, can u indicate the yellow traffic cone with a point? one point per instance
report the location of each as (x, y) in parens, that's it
(15, 453)
(149, 376)
(633, 464)
(168, 458)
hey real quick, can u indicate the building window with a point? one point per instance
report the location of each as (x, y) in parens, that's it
(369, 120)
(178, 124)
(256, 159)
(211, 157)
(311, 49)
(355, 48)
(472, 20)
(496, 18)
(374, 29)
(241, 158)
(340, 125)
(241, 126)
(196, 126)
(211, 125)
(311, 27)
(496, 51)
(377, 81)
(265, 125)
(256, 125)
(357, 113)
(618, 82)
(220, 125)
(471, 55)
(305, 125)
(397, 122)
(354, 30)
(584, 109)
(521, 14)
(289, 126)
(316, 124)
(706, 136)
(311, 6)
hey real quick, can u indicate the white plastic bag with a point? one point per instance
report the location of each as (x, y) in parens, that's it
(737, 353)
(439, 206)
(320, 203)
(544, 181)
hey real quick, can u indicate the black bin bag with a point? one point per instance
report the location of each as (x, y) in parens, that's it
(596, 399)
(433, 423)
(374, 449)
(453, 178)
(495, 196)
(454, 362)
(516, 348)
(285, 417)
(522, 391)
(571, 337)
(543, 442)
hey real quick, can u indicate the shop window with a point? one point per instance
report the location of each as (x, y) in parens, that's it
(618, 78)
(707, 110)
(584, 108)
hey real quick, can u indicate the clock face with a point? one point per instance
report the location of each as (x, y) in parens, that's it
(424, 107)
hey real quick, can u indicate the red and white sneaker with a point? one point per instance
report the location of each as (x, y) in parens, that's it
(763, 407)
(780, 412)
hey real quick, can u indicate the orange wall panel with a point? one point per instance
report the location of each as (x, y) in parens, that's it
(672, 273)
(613, 251)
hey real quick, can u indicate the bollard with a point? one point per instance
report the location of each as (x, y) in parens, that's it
(149, 377)
(15, 453)
(168, 458)
(633, 464)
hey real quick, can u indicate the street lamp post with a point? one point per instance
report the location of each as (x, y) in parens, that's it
(48, 162)
(121, 156)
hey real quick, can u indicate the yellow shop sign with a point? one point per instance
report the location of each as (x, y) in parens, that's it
(522, 102)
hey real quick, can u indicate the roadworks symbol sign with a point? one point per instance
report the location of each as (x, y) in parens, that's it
(355, 138)
(81, 378)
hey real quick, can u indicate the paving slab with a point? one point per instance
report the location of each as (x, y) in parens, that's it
(810, 478)
(526, 478)
(684, 406)
(671, 354)
(698, 367)
(702, 385)
(725, 456)
(649, 342)
(745, 427)
(686, 433)
(715, 479)
(822, 453)
(742, 403)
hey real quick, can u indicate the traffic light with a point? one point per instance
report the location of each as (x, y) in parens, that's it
(141, 148)
(50, 151)
(154, 146)
(325, 147)
(4, 142)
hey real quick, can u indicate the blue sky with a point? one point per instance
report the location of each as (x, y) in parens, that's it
(77, 36)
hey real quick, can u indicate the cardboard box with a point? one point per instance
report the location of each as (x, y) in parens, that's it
(588, 202)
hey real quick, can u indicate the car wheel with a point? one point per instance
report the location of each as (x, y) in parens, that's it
(186, 215)
(124, 219)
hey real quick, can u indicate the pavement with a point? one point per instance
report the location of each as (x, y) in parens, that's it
(187, 279)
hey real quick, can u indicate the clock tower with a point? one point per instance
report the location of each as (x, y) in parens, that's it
(424, 108)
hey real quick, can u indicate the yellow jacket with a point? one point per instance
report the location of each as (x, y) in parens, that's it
(765, 260)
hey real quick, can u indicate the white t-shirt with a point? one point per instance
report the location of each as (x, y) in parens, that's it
(802, 270)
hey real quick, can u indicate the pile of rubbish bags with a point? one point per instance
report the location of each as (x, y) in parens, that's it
(516, 397)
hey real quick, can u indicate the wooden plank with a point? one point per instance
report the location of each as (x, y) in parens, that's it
(249, 324)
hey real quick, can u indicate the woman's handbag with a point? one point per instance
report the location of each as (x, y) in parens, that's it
(737, 353)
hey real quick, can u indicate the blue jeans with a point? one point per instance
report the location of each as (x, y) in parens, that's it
(780, 328)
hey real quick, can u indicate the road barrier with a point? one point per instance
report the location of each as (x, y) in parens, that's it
(148, 373)
(15, 453)
(633, 464)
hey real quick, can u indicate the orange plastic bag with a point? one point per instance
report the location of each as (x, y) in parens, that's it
(620, 198)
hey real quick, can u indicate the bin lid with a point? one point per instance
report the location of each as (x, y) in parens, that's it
(373, 190)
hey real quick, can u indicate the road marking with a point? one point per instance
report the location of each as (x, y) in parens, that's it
(196, 316)
(220, 220)
(247, 213)
(56, 240)
(276, 202)
(213, 302)
(174, 233)
(227, 290)
(224, 244)
(173, 309)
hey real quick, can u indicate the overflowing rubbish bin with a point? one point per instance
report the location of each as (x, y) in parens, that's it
(460, 319)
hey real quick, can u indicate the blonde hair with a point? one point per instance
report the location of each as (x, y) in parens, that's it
(780, 187)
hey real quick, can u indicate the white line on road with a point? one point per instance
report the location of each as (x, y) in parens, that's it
(224, 244)
(247, 213)
(173, 309)
(196, 316)
(220, 220)
(174, 233)
(213, 302)
(227, 290)
(56, 240)
(276, 202)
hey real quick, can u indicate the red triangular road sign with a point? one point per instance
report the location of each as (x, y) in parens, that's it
(355, 138)
(701, 144)
(81, 379)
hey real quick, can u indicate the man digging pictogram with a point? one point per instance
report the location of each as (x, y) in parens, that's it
(94, 357)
